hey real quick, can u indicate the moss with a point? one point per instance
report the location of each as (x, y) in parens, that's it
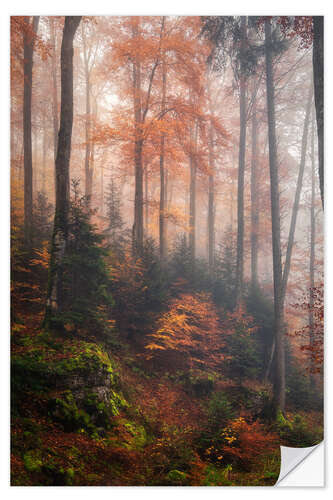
(297, 432)
(65, 411)
(45, 365)
(100, 413)
(117, 401)
(280, 419)
(215, 476)
(32, 461)
(138, 432)
(177, 477)
(69, 476)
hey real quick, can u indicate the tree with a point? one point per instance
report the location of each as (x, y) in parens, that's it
(28, 42)
(189, 333)
(54, 88)
(312, 259)
(241, 166)
(85, 279)
(60, 228)
(254, 198)
(291, 237)
(310, 30)
(115, 220)
(279, 383)
(318, 80)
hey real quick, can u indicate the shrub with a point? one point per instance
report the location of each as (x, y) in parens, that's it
(220, 410)
(242, 361)
(245, 444)
(297, 432)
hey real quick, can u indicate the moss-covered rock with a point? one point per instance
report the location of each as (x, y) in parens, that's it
(77, 378)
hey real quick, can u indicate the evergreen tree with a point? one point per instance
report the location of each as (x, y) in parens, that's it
(42, 218)
(115, 229)
(224, 276)
(86, 281)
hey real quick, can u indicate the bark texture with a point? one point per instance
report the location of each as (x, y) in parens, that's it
(211, 203)
(162, 175)
(279, 382)
(318, 78)
(312, 256)
(60, 229)
(28, 47)
(241, 170)
(254, 200)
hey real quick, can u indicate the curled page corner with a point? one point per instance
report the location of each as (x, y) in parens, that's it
(302, 466)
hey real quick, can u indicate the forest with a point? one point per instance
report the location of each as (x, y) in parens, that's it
(167, 201)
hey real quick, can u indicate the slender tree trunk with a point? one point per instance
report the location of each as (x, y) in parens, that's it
(193, 180)
(91, 171)
(44, 152)
(54, 95)
(138, 146)
(34, 160)
(293, 221)
(102, 190)
(88, 179)
(254, 200)
(318, 78)
(312, 257)
(146, 199)
(241, 171)
(28, 45)
(60, 228)
(162, 172)
(211, 218)
(138, 200)
(280, 384)
(192, 215)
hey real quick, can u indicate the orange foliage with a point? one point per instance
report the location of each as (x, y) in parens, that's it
(191, 328)
(247, 442)
(313, 335)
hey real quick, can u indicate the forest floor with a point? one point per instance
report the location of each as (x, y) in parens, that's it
(158, 430)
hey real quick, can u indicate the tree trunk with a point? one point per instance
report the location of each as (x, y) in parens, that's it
(279, 385)
(138, 146)
(60, 229)
(193, 180)
(318, 79)
(312, 257)
(292, 228)
(102, 190)
(28, 46)
(241, 171)
(44, 152)
(88, 176)
(146, 199)
(138, 200)
(162, 172)
(254, 200)
(54, 96)
(54, 90)
(211, 242)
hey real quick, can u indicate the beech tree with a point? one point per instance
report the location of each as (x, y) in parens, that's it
(28, 42)
(318, 80)
(59, 238)
(280, 382)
